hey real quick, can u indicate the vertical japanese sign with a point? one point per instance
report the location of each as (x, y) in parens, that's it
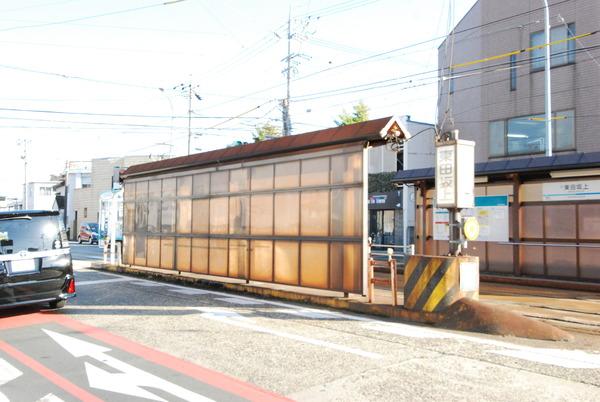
(445, 175)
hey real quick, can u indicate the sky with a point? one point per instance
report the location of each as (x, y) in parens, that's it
(83, 79)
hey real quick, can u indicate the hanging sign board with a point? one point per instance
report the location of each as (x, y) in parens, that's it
(491, 213)
(455, 174)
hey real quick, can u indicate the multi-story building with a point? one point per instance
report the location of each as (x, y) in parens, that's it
(499, 103)
(40, 195)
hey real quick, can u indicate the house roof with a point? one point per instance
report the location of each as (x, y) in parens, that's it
(537, 164)
(372, 130)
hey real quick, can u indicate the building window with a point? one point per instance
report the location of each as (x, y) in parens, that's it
(527, 134)
(450, 82)
(45, 190)
(560, 53)
(513, 72)
(85, 212)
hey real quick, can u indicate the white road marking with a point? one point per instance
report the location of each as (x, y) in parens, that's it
(100, 281)
(241, 302)
(128, 380)
(310, 313)
(8, 372)
(232, 318)
(149, 284)
(189, 291)
(576, 359)
(50, 398)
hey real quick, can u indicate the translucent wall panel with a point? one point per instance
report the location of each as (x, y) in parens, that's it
(184, 254)
(261, 260)
(200, 216)
(239, 215)
(141, 191)
(129, 192)
(167, 252)
(154, 216)
(314, 260)
(532, 260)
(346, 212)
(184, 216)
(314, 213)
(346, 266)
(261, 214)
(346, 168)
(219, 215)
(155, 189)
(239, 180)
(167, 216)
(500, 257)
(184, 186)
(201, 184)
(532, 224)
(315, 172)
(129, 218)
(140, 249)
(141, 216)
(589, 221)
(218, 257)
(262, 178)
(287, 175)
(287, 214)
(200, 256)
(560, 222)
(169, 188)
(238, 258)
(287, 254)
(561, 261)
(153, 252)
(128, 249)
(588, 262)
(219, 182)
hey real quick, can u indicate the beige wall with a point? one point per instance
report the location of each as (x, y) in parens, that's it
(480, 98)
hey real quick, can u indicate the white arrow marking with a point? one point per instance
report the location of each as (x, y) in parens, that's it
(50, 398)
(235, 319)
(130, 378)
(7, 373)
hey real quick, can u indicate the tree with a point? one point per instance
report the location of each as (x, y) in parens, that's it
(266, 132)
(361, 113)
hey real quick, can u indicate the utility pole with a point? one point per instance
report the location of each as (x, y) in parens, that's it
(24, 158)
(287, 124)
(189, 117)
(548, 82)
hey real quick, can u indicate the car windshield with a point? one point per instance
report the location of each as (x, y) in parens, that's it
(28, 233)
(93, 227)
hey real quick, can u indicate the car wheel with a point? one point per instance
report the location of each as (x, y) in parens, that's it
(55, 304)
(90, 240)
(79, 239)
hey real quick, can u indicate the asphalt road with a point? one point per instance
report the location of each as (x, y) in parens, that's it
(86, 252)
(125, 338)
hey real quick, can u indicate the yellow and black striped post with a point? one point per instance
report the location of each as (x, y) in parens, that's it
(433, 283)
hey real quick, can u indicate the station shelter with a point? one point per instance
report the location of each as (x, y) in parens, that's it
(552, 221)
(289, 211)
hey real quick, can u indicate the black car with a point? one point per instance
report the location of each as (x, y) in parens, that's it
(35, 259)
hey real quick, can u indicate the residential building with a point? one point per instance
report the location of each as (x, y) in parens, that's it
(87, 180)
(391, 215)
(40, 195)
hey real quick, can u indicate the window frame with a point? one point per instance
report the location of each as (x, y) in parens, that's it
(570, 52)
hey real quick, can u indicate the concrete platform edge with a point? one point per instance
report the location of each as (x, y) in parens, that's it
(481, 317)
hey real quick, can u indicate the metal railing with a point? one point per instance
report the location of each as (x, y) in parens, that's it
(386, 257)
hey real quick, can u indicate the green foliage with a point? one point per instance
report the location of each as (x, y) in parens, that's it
(266, 132)
(361, 113)
(381, 182)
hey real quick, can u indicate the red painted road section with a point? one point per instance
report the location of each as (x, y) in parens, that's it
(202, 374)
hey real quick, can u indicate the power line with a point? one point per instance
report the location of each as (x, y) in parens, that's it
(129, 10)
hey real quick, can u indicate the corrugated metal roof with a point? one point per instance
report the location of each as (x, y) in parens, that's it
(523, 165)
(354, 133)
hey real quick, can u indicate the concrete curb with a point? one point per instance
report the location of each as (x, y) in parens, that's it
(464, 315)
